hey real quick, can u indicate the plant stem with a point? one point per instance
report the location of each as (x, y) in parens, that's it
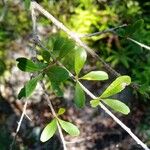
(33, 16)
(128, 130)
(102, 32)
(19, 124)
(54, 114)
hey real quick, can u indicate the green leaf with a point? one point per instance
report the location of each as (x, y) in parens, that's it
(29, 87)
(58, 43)
(57, 74)
(79, 96)
(61, 111)
(116, 86)
(70, 128)
(95, 75)
(46, 55)
(62, 46)
(56, 88)
(49, 131)
(27, 3)
(66, 48)
(117, 105)
(28, 65)
(80, 58)
(94, 102)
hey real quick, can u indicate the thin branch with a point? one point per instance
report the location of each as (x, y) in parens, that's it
(74, 36)
(138, 43)
(33, 16)
(54, 114)
(128, 130)
(19, 125)
(102, 32)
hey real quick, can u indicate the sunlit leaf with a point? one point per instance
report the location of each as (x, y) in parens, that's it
(79, 96)
(95, 75)
(29, 87)
(70, 128)
(116, 86)
(80, 58)
(61, 111)
(27, 65)
(117, 105)
(95, 102)
(49, 131)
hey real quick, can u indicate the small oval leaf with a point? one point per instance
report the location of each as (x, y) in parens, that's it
(70, 128)
(95, 75)
(49, 131)
(116, 86)
(29, 87)
(61, 111)
(79, 96)
(80, 58)
(117, 105)
(94, 102)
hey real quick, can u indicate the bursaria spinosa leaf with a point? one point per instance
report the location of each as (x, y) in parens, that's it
(80, 58)
(46, 55)
(29, 87)
(56, 88)
(95, 102)
(49, 131)
(95, 75)
(57, 74)
(62, 46)
(116, 86)
(61, 111)
(70, 128)
(117, 105)
(79, 96)
(27, 65)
